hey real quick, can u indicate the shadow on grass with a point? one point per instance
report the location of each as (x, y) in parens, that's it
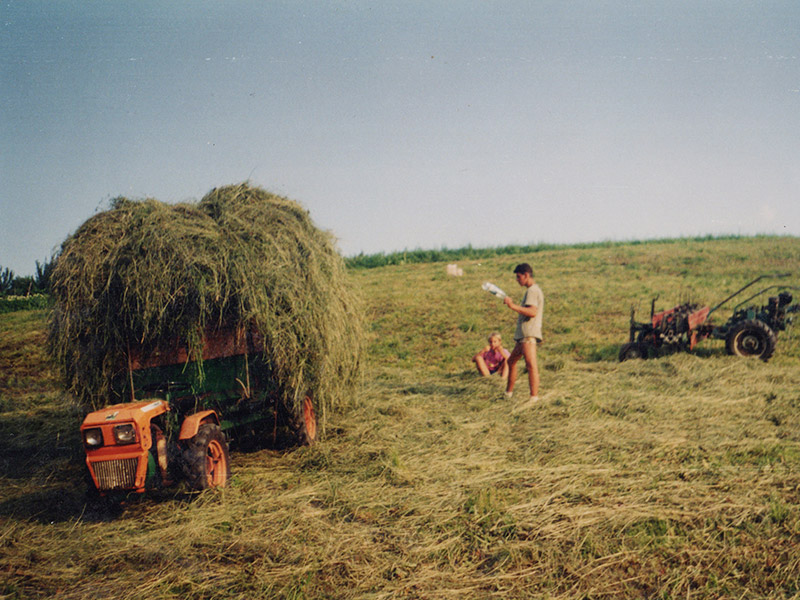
(610, 353)
(448, 385)
(433, 389)
(20, 462)
(33, 440)
(55, 504)
(54, 490)
(73, 499)
(53, 485)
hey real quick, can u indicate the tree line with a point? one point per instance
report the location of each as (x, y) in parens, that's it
(38, 283)
(370, 261)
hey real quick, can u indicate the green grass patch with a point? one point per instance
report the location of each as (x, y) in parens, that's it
(17, 303)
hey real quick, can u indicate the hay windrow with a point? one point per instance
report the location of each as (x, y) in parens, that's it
(144, 272)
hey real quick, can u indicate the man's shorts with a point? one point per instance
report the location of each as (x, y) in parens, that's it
(529, 340)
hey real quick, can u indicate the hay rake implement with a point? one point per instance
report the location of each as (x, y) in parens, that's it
(751, 331)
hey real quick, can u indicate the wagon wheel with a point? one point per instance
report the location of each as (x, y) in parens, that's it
(205, 458)
(632, 350)
(305, 424)
(648, 339)
(751, 338)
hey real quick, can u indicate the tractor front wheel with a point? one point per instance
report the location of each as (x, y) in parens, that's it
(752, 338)
(632, 350)
(205, 458)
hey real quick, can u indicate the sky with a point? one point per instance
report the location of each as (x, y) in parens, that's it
(406, 125)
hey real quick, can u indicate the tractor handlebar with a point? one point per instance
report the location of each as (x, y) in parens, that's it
(740, 290)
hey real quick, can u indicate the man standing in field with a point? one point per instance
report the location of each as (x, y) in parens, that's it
(528, 333)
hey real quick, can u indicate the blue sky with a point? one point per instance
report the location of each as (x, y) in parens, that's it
(403, 125)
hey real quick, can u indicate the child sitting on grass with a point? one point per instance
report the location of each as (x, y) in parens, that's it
(492, 358)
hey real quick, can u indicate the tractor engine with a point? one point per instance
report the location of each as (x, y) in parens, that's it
(672, 330)
(670, 325)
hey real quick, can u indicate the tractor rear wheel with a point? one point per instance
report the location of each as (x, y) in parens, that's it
(305, 424)
(206, 461)
(751, 338)
(632, 350)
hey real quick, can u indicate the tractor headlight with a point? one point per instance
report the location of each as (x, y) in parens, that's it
(93, 438)
(125, 434)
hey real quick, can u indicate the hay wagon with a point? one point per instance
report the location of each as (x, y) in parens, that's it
(185, 327)
(176, 427)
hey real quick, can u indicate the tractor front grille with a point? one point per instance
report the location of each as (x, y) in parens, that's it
(116, 474)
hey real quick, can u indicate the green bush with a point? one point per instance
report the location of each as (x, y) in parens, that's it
(14, 303)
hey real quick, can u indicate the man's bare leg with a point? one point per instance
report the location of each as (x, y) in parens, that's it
(529, 352)
(515, 355)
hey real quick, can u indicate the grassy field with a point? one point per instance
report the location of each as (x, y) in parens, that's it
(669, 478)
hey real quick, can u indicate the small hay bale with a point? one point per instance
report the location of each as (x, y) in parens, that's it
(144, 272)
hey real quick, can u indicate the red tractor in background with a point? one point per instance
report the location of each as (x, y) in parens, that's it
(750, 331)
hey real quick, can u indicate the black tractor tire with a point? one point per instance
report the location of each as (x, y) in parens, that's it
(206, 460)
(632, 350)
(649, 342)
(304, 425)
(751, 338)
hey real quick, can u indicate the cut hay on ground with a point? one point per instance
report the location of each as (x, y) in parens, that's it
(144, 272)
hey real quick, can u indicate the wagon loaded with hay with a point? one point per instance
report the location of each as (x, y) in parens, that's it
(187, 327)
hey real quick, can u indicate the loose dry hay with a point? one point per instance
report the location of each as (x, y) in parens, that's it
(144, 272)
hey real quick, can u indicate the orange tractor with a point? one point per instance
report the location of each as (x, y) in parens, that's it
(177, 426)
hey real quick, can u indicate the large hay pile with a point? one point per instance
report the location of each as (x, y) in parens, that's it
(144, 272)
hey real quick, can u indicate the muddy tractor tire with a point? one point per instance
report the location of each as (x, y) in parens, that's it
(751, 338)
(206, 461)
(632, 350)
